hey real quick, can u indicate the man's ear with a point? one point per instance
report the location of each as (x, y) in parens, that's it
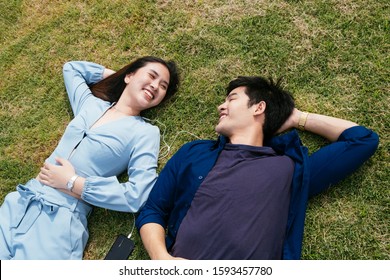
(260, 108)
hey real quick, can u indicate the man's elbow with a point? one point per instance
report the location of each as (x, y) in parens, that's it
(372, 143)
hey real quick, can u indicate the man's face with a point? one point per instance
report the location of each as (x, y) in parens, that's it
(235, 117)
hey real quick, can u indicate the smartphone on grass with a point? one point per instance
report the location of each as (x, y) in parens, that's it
(121, 249)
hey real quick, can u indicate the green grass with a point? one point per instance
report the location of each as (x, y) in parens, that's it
(333, 55)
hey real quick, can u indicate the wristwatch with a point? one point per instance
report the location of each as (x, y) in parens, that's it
(302, 120)
(70, 184)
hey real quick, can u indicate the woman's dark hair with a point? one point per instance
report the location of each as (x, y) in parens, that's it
(279, 102)
(111, 88)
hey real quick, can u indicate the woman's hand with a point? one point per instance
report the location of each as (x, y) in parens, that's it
(291, 122)
(56, 176)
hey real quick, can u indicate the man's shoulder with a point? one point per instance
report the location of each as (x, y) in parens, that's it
(198, 151)
(285, 138)
(199, 145)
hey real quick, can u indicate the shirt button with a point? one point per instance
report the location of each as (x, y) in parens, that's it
(200, 177)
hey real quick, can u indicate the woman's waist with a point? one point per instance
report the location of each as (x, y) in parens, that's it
(56, 196)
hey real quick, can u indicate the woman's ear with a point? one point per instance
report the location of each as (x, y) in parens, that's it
(260, 107)
(127, 78)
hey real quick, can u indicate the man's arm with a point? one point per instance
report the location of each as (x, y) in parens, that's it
(153, 238)
(154, 217)
(325, 126)
(351, 146)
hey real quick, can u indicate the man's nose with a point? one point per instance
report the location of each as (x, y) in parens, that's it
(221, 107)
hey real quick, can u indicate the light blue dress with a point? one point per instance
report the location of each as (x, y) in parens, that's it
(39, 222)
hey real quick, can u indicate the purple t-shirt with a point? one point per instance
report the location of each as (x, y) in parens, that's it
(240, 210)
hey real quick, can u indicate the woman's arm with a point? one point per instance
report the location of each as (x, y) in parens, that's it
(108, 192)
(78, 75)
(107, 72)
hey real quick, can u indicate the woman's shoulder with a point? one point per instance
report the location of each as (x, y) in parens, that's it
(143, 127)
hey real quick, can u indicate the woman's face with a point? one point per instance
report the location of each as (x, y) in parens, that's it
(148, 86)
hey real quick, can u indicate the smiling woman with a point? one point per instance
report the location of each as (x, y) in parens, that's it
(146, 88)
(106, 137)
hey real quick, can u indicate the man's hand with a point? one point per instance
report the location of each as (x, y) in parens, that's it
(291, 122)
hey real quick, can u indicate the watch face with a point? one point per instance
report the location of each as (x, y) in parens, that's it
(70, 183)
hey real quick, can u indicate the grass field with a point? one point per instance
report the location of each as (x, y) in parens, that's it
(333, 55)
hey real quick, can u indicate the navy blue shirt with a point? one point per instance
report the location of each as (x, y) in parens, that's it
(181, 177)
(240, 210)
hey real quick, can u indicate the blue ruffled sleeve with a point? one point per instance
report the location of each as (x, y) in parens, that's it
(78, 75)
